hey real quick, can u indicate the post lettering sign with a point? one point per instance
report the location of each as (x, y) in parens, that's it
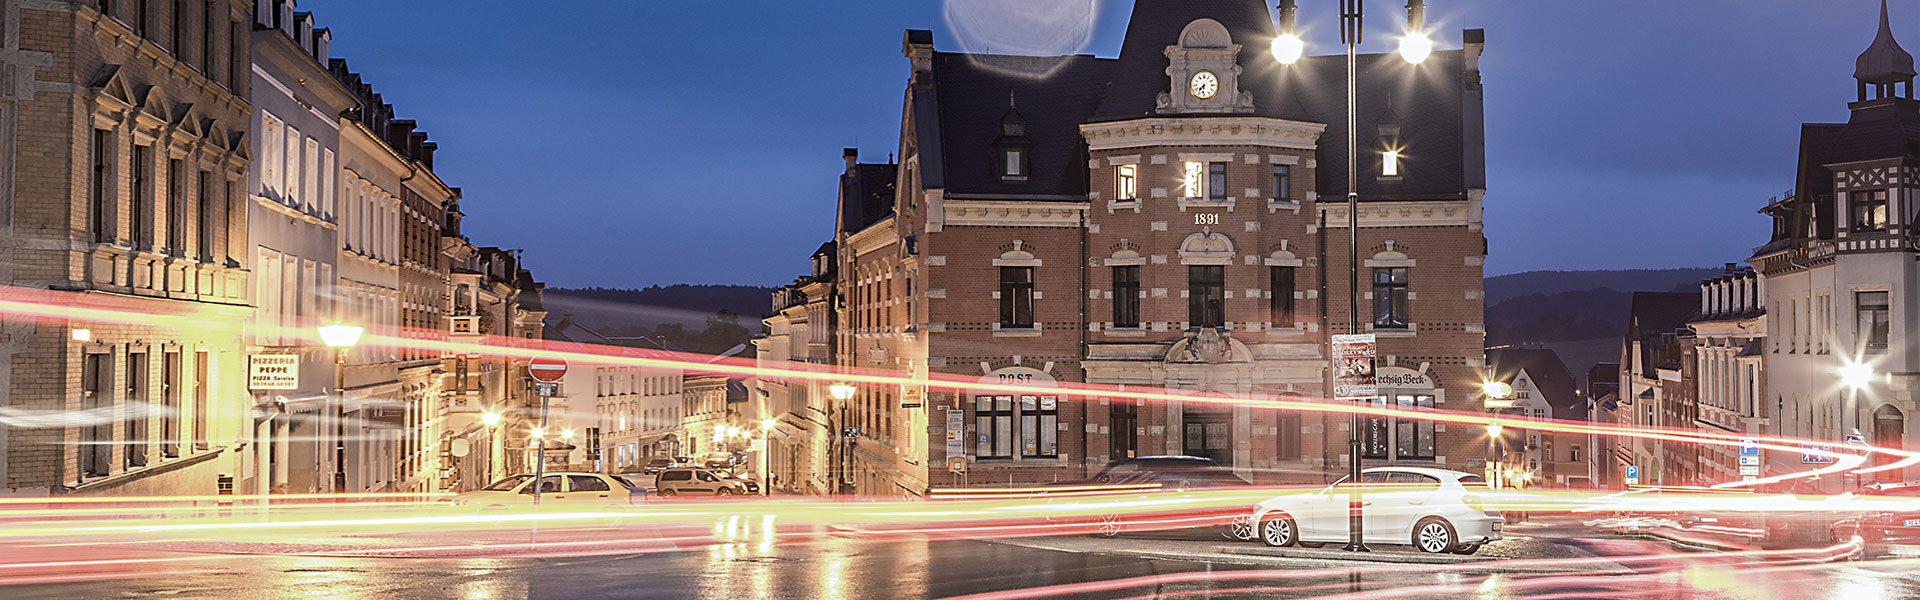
(1749, 447)
(273, 372)
(1816, 459)
(1749, 461)
(1353, 373)
(912, 396)
(956, 432)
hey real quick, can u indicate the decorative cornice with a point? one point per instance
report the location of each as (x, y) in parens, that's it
(1202, 131)
(994, 213)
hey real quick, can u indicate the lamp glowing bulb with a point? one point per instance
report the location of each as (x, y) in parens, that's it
(1856, 375)
(767, 423)
(536, 433)
(1288, 48)
(1416, 47)
(567, 434)
(1496, 389)
(1494, 430)
(841, 391)
(490, 418)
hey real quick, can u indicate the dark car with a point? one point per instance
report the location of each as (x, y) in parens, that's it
(655, 466)
(1884, 532)
(1173, 474)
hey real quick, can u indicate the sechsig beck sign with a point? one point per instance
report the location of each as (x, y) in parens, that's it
(273, 372)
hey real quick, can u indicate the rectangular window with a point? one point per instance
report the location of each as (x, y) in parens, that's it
(1016, 297)
(236, 54)
(1390, 298)
(137, 418)
(1282, 301)
(102, 204)
(207, 38)
(96, 399)
(1390, 163)
(1126, 296)
(1413, 437)
(1015, 162)
(290, 169)
(144, 11)
(142, 201)
(1039, 426)
(234, 218)
(176, 217)
(201, 383)
(1127, 187)
(179, 43)
(205, 218)
(1206, 295)
(1875, 324)
(1195, 180)
(170, 406)
(1289, 436)
(993, 426)
(1283, 182)
(310, 170)
(1869, 210)
(1123, 440)
(1217, 181)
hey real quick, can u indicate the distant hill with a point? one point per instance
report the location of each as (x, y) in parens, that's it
(1578, 314)
(610, 309)
(1505, 287)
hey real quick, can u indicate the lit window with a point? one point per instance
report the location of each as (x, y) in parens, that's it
(1390, 164)
(1016, 163)
(1196, 173)
(1127, 189)
(1870, 210)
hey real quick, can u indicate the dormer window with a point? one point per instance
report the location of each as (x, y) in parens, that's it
(1127, 183)
(1390, 163)
(1014, 161)
(1869, 210)
(1012, 146)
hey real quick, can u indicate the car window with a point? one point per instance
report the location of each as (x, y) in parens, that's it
(624, 482)
(705, 476)
(676, 476)
(1117, 471)
(1375, 477)
(1412, 480)
(587, 483)
(507, 485)
(548, 485)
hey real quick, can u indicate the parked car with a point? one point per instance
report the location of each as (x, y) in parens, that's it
(655, 465)
(696, 481)
(720, 460)
(561, 488)
(1884, 532)
(1434, 510)
(1174, 475)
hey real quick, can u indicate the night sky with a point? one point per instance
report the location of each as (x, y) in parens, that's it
(624, 143)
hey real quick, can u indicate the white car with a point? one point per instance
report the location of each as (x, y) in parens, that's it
(558, 490)
(1434, 510)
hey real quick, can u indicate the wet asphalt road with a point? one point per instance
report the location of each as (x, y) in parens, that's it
(839, 569)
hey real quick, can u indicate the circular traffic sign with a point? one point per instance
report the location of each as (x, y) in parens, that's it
(547, 368)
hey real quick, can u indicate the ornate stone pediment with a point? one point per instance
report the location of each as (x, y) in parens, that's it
(1209, 345)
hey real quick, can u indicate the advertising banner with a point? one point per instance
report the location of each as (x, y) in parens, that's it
(273, 372)
(1353, 367)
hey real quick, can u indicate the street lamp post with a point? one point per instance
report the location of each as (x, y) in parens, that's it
(340, 337)
(1856, 376)
(1497, 392)
(841, 392)
(1415, 47)
(766, 456)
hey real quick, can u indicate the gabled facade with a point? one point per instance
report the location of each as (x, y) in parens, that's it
(1840, 277)
(1730, 382)
(1154, 220)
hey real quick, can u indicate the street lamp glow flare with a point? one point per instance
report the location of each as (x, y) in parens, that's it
(1856, 375)
(340, 335)
(1416, 47)
(490, 418)
(1288, 48)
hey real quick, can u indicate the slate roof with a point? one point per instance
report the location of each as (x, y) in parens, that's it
(1548, 373)
(959, 110)
(1656, 313)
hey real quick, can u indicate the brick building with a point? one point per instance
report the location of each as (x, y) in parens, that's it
(1656, 388)
(124, 167)
(1154, 220)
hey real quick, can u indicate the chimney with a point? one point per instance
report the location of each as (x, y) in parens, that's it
(852, 155)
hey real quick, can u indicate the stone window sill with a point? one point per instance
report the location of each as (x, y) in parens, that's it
(1126, 332)
(1017, 332)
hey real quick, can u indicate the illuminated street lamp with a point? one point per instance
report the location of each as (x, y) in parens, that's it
(1414, 48)
(340, 337)
(490, 418)
(1496, 394)
(841, 392)
(1856, 376)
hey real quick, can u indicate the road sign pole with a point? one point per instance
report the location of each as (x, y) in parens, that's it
(540, 461)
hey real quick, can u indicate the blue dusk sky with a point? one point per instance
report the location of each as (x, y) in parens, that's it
(624, 143)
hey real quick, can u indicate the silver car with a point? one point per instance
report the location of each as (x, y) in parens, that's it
(1433, 510)
(679, 481)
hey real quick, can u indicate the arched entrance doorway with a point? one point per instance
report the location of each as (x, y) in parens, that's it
(1889, 431)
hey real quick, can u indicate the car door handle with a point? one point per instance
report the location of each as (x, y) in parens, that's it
(605, 495)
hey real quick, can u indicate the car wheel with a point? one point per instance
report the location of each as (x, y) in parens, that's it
(1109, 526)
(668, 493)
(1433, 535)
(725, 492)
(1465, 549)
(1278, 531)
(1239, 530)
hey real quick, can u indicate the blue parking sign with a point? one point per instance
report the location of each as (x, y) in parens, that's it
(1749, 447)
(1633, 471)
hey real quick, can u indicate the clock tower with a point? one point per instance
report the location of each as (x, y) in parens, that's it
(1205, 73)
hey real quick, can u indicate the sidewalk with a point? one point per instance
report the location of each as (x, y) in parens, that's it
(1210, 547)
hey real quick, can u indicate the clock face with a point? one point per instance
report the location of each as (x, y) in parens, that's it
(1204, 85)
